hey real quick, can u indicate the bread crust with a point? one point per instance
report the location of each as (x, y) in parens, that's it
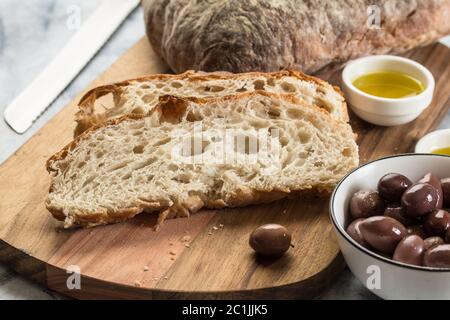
(193, 204)
(269, 35)
(86, 116)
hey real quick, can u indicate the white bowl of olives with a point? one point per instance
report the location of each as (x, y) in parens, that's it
(393, 226)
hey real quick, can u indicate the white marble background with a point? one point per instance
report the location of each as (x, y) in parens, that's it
(31, 33)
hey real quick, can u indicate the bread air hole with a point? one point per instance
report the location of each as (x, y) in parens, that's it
(304, 137)
(271, 82)
(213, 88)
(162, 142)
(138, 110)
(148, 98)
(176, 84)
(288, 87)
(259, 84)
(138, 149)
(273, 113)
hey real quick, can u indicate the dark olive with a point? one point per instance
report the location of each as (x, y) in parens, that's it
(398, 213)
(355, 233)
(364, 204)
(437, 256)
(436, 223)
(416, 230)
(391, 186)
(445, 185)
(436, 183)
(382, 233)
(419, 199)
(431, 242)
(270, 240)
(410, 250)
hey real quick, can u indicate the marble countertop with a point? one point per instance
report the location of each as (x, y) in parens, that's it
(31, 33)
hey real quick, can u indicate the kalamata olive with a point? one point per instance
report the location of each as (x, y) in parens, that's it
(398, 213)
(445, 185)
(419, 199)
(436, 183)
(436, 223)
(364, 204)
(437, 256)
(432, 241)
(354, 232)
(392, 185)
(410, 250)
(382, 233)
(416, 230)
(447, 236)
(270, 240)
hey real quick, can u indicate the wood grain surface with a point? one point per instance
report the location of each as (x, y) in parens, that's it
(204, 256)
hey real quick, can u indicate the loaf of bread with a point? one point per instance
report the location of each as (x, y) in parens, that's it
(269, 35)
(193, 153)
(139, 96)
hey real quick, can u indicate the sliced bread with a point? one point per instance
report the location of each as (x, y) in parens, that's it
(193, 153)
(139, 96)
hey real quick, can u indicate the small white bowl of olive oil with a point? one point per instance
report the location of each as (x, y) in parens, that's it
(387, 90)
(437, 142)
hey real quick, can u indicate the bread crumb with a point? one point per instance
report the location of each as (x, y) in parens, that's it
(187, 245)
(172, 253)
(165, 278)
(186, 238)
(170, 243)
(221, 226)
(172, 258)
(137, 283)
(215, 228)
(145, 268)
(285, 210)
(209, 233)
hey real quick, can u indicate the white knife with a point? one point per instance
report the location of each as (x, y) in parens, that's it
(57, 75)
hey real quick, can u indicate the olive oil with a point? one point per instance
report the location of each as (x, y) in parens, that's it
(444, 151)
(389, 84)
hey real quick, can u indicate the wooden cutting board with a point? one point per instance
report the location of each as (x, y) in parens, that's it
(130, 260)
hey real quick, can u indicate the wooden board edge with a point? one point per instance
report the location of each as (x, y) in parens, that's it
(22, 263)
(94, 289)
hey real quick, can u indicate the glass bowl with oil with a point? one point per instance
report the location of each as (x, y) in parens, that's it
(387, 90)
(436, 142)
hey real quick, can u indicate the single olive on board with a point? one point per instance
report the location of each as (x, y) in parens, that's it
(392, 185)
(436, 183)
(270, 240)
(382, 233)
(364, 204)
(419, 199)
(410, 250)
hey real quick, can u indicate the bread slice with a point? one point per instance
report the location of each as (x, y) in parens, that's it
(139, 96)
(193, 153)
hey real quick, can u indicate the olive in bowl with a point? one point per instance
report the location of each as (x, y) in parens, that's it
(415, 269)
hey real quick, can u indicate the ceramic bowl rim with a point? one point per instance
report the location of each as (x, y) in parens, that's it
(356, 245)
(414, 64)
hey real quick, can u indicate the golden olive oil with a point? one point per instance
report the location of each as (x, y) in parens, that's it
(389, 84)
(445, 151)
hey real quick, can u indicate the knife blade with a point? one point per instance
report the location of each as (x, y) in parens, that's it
(56, 76)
